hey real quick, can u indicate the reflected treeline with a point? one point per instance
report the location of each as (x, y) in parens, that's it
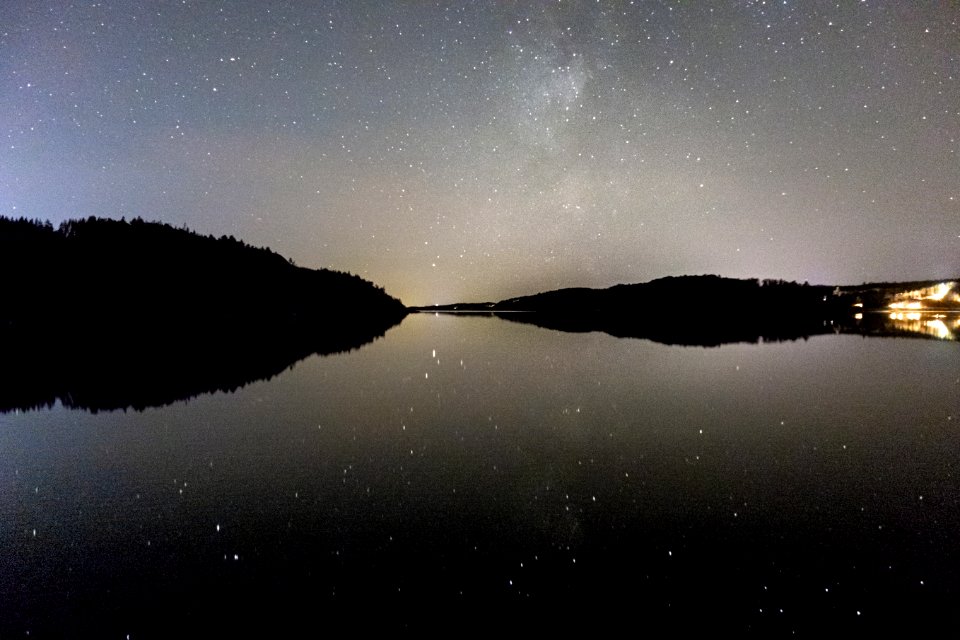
(697, 330)
(104, 374)
(106, 314)
(677, 329)
(710, 311)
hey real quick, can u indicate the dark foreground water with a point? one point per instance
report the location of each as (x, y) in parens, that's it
(501, 474)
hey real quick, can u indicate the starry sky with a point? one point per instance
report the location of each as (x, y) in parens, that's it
(466, 151)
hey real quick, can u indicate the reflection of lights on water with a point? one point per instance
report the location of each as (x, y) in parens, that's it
(935, 325)
(939, 329)
(906, 316)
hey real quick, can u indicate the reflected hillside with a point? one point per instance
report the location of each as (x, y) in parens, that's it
(108, 314)
(701, 331)
(695, 329)
(104, 374)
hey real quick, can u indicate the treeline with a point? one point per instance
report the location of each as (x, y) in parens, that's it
(109, 313)
(704, 310)
(112, 274)
(674, 294)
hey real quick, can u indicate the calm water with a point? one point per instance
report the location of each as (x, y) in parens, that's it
(511, 469)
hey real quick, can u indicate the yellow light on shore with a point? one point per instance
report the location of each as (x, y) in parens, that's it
(941, 290)
(906, 305)
(914, 299)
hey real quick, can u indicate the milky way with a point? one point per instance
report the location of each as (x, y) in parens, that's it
(474, 151)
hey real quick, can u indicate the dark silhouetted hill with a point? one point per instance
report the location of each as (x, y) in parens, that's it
(710, 310)
(106, 314)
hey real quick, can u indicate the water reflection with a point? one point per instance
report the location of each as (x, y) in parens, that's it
(467, 464)
(710, 330)
(104, 373)
(99, 375)
(936, 325)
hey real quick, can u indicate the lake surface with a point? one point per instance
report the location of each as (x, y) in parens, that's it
(502, 470)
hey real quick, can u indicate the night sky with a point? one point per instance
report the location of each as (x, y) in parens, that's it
(475, 151)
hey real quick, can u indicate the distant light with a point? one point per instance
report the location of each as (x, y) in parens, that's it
(941, 290)
(912, 299)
